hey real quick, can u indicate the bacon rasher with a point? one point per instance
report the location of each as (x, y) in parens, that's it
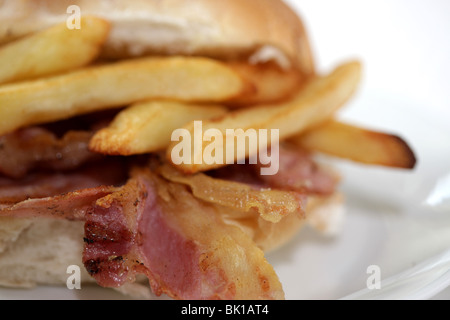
(153, 227)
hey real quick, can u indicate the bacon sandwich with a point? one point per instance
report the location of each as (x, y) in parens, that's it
(91, 93)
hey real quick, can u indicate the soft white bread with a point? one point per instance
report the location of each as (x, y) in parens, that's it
(257, 29)
(39, 251)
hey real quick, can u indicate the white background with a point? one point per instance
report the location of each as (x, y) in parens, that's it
(404, 46)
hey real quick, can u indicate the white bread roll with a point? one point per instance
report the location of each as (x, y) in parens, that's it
(38, 251)
(257, 29)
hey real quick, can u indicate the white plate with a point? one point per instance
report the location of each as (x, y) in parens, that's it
(399, 221)
(395, 220)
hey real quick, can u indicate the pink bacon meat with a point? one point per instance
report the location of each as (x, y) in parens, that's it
(153, 227)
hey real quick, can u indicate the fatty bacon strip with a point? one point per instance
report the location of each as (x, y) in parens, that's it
(298, 172)
(157, 228)
(243, 190)
(42, 184)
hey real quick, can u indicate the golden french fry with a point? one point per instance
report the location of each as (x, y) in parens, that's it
(146, 127)
(116, 85)
(320, 98)
(272, 83)
(53, 50)
(357, 144)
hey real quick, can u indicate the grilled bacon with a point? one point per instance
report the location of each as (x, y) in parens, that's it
(145, 221)
(153, 227)
(298, 172)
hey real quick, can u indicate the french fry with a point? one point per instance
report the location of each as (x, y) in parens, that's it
(54, 50)
(116, 85)
(272, 83)
(146, 127)
(320, 98)
(357, 144)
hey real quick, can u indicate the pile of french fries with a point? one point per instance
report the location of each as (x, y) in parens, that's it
(55, 74)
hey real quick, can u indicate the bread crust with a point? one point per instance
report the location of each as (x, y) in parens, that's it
(217, 28)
